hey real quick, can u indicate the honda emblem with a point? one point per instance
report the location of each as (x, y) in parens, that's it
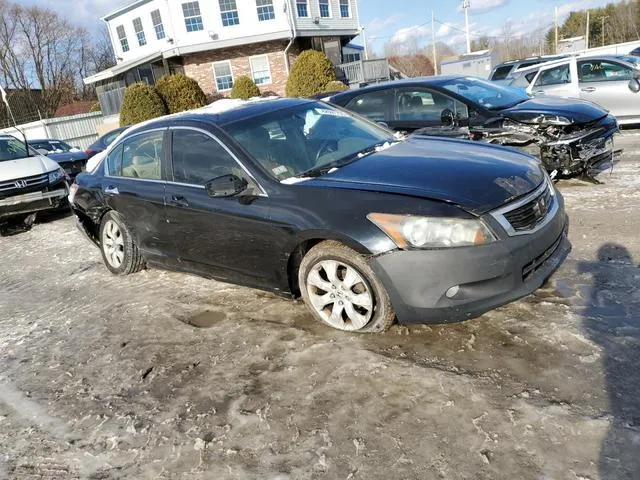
(20, 183)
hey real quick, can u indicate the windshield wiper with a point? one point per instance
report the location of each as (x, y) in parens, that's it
(341, 162)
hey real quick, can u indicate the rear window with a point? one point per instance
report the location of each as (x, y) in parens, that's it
(500, 73)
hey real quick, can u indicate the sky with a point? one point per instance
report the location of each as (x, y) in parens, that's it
(396, 20)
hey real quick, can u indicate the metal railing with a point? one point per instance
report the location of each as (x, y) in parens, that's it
(365, 71)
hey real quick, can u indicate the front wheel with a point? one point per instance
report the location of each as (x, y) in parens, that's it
(119, 251)
(342, 291)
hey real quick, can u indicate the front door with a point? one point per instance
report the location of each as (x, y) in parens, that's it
(134, 187)
(228, 238)
(558, 80)
(606, 83)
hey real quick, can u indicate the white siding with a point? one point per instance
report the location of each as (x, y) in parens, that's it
(334, 23)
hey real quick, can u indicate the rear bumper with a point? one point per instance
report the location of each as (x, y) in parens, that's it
(487, 277)
(33, 202)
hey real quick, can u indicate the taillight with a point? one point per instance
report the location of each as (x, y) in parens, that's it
(90, 153)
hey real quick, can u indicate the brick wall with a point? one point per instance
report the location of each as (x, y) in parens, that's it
(199, 66)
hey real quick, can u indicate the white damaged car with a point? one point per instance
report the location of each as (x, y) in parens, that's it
(29, 183)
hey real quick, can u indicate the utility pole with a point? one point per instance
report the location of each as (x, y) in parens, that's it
(364, 40)
(433, 42)
(602, 30)
(465, 6)
(556, 30)
(587, 34)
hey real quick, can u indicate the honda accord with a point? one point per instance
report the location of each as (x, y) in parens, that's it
(306, 199)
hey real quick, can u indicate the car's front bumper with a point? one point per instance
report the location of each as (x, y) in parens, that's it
(487, 276)
(33, 202)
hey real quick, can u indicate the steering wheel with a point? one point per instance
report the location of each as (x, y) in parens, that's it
(325, 146)
(447, 118)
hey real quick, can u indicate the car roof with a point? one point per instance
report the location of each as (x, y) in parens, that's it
(38, 140)
(218, 115)
(407, 82)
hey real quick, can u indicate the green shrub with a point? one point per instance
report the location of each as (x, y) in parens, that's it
(268, 93)
(95, 107)
(309, 74)
(141, 102)
(244, 88)
(214, 97)
(180, 93)
(335, 86)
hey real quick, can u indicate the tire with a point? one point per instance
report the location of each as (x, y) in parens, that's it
(342, 291)
(119, 251)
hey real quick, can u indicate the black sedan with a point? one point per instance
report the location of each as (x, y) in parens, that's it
(305, 199)
(72, 159)
(571, 137)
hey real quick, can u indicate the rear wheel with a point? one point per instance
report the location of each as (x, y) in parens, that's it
(342, 291)
(119, 251)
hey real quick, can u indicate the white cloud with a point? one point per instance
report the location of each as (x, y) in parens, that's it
(483, 6)
(377, 25)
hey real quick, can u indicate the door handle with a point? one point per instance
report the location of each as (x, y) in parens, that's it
(178, 200)
(588, 89)
(538, 92)
(110, 190)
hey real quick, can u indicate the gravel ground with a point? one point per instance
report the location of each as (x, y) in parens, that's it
(165, 375)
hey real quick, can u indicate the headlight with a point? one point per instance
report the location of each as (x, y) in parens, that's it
(56, 175)
(412, 231)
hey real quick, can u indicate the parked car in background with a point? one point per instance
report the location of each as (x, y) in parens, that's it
(570, 137)
(305, 199)
(103, 142)
(72, 159)
(504, 72)
(609, 81)
(29, 183)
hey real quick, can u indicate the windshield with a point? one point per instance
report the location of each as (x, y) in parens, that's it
(292, 141)
(485, 94)
(12, 149)
(51, 146)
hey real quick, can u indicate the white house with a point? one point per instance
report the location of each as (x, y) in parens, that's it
(214, 41)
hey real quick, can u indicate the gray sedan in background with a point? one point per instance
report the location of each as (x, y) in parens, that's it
(609, 81)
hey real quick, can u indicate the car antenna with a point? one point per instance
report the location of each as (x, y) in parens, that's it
(15, 125)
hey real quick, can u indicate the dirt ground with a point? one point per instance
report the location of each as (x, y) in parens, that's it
(164, 375)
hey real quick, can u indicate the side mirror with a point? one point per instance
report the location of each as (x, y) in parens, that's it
(226, 186)
(634, 85)
(383, 125)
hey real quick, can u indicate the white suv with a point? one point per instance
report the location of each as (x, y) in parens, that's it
(29, 183)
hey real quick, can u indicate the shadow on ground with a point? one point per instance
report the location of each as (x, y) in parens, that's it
(612, 320)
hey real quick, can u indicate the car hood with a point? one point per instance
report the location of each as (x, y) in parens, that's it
(26, 167)
(474, 176)
(577, 111)
(67, 156)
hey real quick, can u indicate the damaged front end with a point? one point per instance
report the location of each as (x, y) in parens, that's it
(564, 146)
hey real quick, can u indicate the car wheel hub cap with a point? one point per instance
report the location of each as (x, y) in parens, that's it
(340, 295)
(113, 244)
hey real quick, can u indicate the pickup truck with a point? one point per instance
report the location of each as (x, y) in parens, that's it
(29, 183)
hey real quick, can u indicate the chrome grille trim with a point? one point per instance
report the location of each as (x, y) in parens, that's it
(30, 182)
(499, 214)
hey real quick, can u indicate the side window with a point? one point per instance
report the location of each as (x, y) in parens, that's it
(198, 158)
(554, 76)
(602, 71)
(426, 105)
(142, 156)
(374, 105)
(114, 162)
(500, 73)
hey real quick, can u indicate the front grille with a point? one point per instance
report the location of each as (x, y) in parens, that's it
(527, 216)
(19, 186)
(537, 263)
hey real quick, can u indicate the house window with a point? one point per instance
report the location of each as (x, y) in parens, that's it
(265, 10)
(223, 74)
(229, 12)
(324, 8)
(344, 8)
(301, 5)
(137, 26)
(192, 17)
(351, 57)
(260, 69)
(124, 43)
(156, 19)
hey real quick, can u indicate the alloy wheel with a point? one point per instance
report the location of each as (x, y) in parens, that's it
(113, 244)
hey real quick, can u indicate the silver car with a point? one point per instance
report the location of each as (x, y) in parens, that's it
(608, 80)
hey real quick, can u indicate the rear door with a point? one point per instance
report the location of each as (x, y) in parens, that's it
(605, 82)
(133, 186)
(376, 105)
(228, 238)
(558, 80)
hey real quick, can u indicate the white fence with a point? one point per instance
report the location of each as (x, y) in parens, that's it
(76, 130)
